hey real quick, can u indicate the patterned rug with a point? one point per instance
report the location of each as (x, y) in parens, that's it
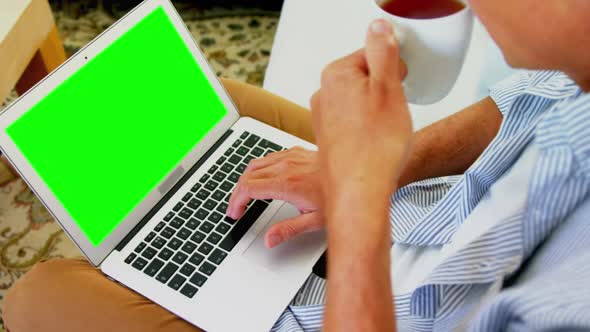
(237, 41)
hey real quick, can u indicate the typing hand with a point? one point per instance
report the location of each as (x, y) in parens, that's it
(291, 176)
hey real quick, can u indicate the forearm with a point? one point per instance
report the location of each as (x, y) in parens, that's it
(450, 146)
(359, 296)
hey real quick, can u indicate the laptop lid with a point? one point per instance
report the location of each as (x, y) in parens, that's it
(104, 137)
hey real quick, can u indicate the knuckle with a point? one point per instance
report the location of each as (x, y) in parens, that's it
(289, 230)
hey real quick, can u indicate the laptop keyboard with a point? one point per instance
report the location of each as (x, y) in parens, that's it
(193, 239)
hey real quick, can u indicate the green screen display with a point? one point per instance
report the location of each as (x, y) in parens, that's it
(110, 133)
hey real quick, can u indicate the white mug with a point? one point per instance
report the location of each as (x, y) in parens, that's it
(434, 51)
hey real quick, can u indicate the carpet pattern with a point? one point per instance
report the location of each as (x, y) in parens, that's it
(237, 42)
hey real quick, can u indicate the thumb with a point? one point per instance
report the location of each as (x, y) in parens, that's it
(382, 52)
(290, 228)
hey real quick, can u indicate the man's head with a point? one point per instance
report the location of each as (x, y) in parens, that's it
(540, 34)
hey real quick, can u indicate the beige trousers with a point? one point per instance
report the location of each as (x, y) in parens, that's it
(71, 295)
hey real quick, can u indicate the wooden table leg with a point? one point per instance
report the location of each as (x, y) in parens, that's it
(50, 55)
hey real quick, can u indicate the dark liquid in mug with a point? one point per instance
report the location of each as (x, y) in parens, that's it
(423, 9)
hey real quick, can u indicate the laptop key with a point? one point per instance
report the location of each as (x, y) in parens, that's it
(213, 169)
(227, 167)
(186, 197)
(214, 238)
(236, 234)
(187, 269)
(174, 244)
(204, 178)
(228, 152)
(167, 272)
(196, 187)
(192, 224)
(159, 226)
(219, 176)
(237, 143)
(176, 281)
(150, 237)
(180, 257)
(207, 268)
(177, 207)
(244, 135)
(251, 141)
(241, 168)
(211, 185)
(196, 259)
(188, 247)
(203, 194)
(185, 213)
(184, 233)
(257, 151)
(189, 291)
(222, 228)
(205, 248)
(149, 253)
(218, 195)
(194, 203)
(206, 227)
(222, 208)
(248, 159)
(275, 147)
(198, 237)
(235, 159)
(168, 216)
(221, 160)
(201, 214)
(217, 256)
(226, 199)
(242, 151)
(168, 232)
(233, 177)
(177, 222)
(159, 242)
(139, 263)
(226, 186)
(130, 258)
(215, 217)
(140, 247)
(198, 279)
(165, 254)
(153, 267)
(264, 144)
(229, 220)
(210, 204)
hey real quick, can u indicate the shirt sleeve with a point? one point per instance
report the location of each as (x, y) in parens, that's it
(506, 91)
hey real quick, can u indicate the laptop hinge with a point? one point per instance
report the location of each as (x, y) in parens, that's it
(172, 191)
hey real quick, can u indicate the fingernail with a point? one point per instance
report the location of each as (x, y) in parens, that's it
(380, 27)
(274, 240)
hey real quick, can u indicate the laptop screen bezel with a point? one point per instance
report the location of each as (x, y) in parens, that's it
(96, 254)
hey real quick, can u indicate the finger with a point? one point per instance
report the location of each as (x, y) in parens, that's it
(268, 160)
(290, 228)
(352, 63)
(267, 188)
(315, 101)
(382, 52)
(237, 203)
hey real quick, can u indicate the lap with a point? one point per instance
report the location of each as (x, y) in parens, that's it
(71, 295)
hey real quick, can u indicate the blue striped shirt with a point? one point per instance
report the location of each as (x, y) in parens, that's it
(543, 247)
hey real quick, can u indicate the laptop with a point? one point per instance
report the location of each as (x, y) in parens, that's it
(134, 147)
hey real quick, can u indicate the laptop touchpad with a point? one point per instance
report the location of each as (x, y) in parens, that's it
(291, 256)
